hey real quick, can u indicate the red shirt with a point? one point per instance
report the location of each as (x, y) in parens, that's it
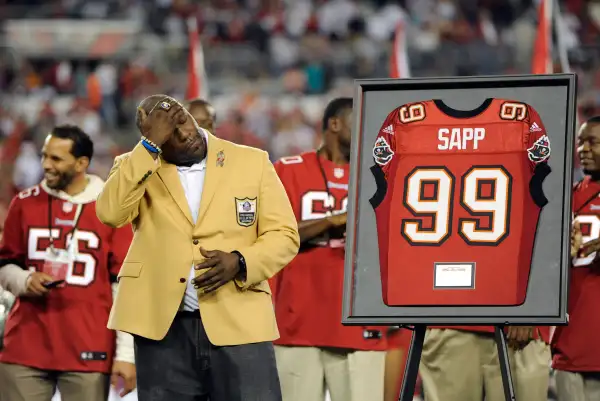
(575, 347)
(458, 196)
(66, 330)
(308, 292)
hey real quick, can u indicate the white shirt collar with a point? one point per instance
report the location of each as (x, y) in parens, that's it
(198, 166)
(194, 167)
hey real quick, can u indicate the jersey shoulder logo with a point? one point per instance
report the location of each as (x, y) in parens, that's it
(534, 127)
(540, 150)
(388, 130)
(382, 153)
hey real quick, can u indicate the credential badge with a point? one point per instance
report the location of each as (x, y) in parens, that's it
(245, 211)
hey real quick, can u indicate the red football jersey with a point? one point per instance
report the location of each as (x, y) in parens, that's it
(65, 330)
(308, 292)
(575, 347)
(458, 199)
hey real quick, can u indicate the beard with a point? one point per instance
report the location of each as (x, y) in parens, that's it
(62, 182)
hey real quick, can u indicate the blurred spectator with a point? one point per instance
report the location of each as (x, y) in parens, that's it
(235, 130)
(293, 136)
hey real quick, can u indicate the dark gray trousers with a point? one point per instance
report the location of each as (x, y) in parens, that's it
(185, 366)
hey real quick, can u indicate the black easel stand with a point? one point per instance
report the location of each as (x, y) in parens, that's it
(414, 358)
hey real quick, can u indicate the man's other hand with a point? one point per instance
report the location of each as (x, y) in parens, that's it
(518, 337)
(35, 284)
(123, 377)
(576, 239)
(223, 267)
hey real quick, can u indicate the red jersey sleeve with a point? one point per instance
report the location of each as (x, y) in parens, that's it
(538, 153)
(12, 247)
(284, 169)
(538, 143)
(119, 246)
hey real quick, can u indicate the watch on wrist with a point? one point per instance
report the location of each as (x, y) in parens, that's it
(242, 264)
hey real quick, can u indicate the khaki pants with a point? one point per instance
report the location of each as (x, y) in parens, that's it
(306, 372)
(21, 383)
(463, 366)
(577, 386)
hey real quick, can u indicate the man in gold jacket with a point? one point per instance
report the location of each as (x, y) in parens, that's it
(212, 223)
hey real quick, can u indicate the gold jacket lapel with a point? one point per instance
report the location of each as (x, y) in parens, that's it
(215, 168)
(169, 176)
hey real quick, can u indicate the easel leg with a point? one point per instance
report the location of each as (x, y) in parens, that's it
(507, 381)
(409, 380)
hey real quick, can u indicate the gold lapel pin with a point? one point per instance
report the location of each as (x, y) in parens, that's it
(220, 159)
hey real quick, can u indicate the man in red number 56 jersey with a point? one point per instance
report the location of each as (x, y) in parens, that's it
(458, 196)
(56, 336)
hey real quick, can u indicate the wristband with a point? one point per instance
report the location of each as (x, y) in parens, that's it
(151, 146)
(154, 145)
(243, 273)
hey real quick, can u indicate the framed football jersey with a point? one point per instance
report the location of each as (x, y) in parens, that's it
(459, 201)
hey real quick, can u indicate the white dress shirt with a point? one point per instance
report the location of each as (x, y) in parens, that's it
(192, 181)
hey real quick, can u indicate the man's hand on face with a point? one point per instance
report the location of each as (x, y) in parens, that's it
(222, 268)
(160, 123)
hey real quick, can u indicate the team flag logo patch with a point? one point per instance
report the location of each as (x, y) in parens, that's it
(382, 153)
(245, 211)
(540, 150)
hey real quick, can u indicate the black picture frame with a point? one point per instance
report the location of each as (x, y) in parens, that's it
(440, 314)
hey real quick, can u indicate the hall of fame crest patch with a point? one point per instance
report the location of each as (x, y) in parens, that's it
(245, 211)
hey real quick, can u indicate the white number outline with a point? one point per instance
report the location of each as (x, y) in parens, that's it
(513, 111)
(308, 200)
(594, 223)
(291, 160)
(478, 207)
(88, 260)
(411, 113)
(442, 218)
(26, 193)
